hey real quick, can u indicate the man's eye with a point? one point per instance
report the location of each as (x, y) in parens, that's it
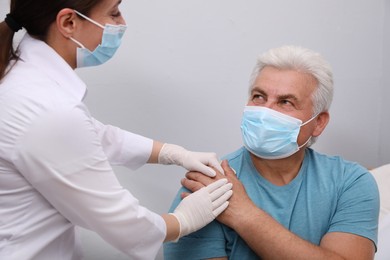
(286, 102)
(257, 97)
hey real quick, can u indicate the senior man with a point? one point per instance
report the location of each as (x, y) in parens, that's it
(289, 202)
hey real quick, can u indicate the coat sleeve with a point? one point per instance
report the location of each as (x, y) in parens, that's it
(62, 157)
(122, 147)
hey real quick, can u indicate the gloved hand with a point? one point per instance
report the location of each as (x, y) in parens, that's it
(203, 206)
(192, 161)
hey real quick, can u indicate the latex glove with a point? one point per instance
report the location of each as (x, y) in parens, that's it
(203, 206)
(192, 161)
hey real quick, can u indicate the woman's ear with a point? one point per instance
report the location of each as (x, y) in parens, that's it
(322, 121)
(66, 22)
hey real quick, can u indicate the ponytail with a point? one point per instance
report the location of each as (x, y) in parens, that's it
(7, 52)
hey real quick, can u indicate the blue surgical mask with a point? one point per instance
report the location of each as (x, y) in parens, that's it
(269, 134)
(111, 40)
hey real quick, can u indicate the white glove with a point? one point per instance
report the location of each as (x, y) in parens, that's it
(203, 206)
(192, 161)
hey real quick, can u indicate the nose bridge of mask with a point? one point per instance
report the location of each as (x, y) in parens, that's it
(289, 118)
(276, 115)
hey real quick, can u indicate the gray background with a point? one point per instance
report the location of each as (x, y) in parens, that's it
(181, 76)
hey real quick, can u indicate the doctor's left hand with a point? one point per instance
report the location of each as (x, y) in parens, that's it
(241, 207)
(192, 161)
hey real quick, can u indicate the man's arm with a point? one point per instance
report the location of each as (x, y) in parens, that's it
(271, 240)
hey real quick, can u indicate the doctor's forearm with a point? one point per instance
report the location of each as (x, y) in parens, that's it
(155, 152)
(173, 227)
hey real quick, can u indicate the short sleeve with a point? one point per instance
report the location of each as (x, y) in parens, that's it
(357, 210)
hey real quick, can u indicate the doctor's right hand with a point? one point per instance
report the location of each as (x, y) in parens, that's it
(203, 206)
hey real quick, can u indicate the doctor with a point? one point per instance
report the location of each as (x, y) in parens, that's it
(55, 158)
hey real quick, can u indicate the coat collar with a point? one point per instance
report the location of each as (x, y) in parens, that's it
(47, 60)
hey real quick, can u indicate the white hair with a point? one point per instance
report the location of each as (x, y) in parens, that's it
(302, 60)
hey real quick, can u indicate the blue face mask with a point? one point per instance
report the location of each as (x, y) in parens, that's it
(269, 134)
(111, 40)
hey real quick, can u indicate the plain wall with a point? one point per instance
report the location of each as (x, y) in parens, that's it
(181, 76)
(384, 135)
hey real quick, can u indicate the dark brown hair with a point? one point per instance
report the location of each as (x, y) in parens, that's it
(35, 16)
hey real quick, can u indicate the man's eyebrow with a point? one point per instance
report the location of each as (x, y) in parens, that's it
(262, 92)
(280, 97)
(288, 96)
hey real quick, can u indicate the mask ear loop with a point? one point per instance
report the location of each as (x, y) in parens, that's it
(299, 147)
(89, 19)
(77, 42)
(308, 121)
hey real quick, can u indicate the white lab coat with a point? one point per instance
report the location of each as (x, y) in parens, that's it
(55, 167)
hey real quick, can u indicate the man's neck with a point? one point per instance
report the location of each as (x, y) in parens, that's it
(279, 172)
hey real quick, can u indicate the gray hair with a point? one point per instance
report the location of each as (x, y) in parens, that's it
(302, 60)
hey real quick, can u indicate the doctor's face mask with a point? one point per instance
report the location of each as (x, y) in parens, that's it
(269, 134)
(111, 40)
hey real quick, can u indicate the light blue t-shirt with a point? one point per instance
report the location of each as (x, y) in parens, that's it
(329, 194)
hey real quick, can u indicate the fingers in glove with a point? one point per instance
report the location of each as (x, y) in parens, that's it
(215, 185)
(207, 170)
(222, 199)
(220, 191)
(215, 164)
(220, 209)
(202, 162)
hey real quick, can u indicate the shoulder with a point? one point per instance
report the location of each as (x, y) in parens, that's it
(237, 156)
(347, 180)
(350, 181)
(26, 83)
(336, 166)
(355, 193)
(26, 103)
(27, 93)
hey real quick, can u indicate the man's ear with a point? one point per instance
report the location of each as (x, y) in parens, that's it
(66, 22)
(322, 121)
